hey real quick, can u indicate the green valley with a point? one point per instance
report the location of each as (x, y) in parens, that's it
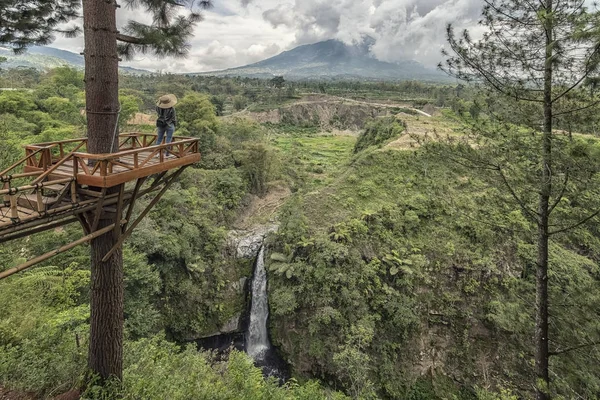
(398, 271)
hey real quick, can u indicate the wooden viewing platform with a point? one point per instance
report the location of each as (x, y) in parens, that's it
(58, 183)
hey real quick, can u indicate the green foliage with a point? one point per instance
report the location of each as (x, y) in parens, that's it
(422, 259)
(393, 274)
(16, 103)
(130, 105)
(256, 161)
(219, 103)
(62, 109)
(239, 103)
(379, 132)
(197, 115)
(157, 369)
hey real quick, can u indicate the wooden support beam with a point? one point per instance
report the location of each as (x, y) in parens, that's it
(98, 213)
(117, 230)
(134, 196)
(52, 253)
(55, 166)
(41, 228)
(155, 200)
(84, 223)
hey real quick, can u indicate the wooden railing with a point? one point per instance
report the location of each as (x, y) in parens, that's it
(104, 164)
(136, 150)
(138, 155)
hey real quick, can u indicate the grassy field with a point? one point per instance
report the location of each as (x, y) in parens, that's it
(316, 160)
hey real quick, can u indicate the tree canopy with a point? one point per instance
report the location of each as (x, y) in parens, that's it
(36, 22)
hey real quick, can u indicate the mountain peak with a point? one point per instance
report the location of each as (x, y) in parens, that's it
(332, 59)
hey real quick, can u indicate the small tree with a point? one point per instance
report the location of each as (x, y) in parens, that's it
(535, 57)
(278, 82)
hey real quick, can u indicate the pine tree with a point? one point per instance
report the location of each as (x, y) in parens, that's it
(26, 23)
(540, 57)
(33, 22)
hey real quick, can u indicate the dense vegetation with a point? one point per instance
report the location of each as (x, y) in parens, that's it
(395, 274)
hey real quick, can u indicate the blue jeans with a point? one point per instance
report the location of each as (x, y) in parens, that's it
(169, 129)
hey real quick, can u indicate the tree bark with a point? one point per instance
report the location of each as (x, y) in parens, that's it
(102, 106)
(541, 321)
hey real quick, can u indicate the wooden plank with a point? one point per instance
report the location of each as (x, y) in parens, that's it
(173, 163)
(41, 228)
(35, 201)
(24, 211)
(52, 253)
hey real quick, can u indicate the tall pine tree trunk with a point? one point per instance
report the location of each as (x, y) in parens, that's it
(541, 321)
(102, 104)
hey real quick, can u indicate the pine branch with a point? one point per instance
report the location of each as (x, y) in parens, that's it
(569, 349)
(561, 194)
(130, 39)
(581, 222)
(530, 213)
(586, 107)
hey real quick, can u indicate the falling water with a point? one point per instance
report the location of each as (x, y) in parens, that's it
(257, 341)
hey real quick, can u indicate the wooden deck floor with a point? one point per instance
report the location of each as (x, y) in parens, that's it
(123, 169)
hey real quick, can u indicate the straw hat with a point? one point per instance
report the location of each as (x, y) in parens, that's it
(166, 101)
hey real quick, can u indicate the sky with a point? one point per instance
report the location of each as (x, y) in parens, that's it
(240, 32)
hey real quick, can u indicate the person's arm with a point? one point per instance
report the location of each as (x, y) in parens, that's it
(174, 117)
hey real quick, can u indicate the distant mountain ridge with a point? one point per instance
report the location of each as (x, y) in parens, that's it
(44, 58)
(333, 59)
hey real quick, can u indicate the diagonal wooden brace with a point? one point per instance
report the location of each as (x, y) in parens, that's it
(135, 223)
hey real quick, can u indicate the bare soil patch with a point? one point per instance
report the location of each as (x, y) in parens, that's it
(6, 394)
(262, 209)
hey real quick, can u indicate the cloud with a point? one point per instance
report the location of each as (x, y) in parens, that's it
(238, 32)
(402, 29)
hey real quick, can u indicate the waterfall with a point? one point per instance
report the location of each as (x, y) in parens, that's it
(257, 340)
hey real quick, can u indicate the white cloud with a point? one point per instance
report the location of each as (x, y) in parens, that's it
(238, 32)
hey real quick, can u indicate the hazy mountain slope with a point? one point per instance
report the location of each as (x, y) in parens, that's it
(45, 58)
(333, 59)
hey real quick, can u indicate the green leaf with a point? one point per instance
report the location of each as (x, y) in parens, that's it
(278, 257)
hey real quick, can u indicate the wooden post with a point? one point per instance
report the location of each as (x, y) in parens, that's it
(41, 207)
(5, 186)
(74, 191)
(14, 212)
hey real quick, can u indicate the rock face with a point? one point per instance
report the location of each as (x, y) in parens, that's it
(248, 242)
(245, 244)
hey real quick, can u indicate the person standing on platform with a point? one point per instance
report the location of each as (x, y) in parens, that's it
(167, 118)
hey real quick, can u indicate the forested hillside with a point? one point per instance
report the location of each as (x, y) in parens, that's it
(398, 271)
